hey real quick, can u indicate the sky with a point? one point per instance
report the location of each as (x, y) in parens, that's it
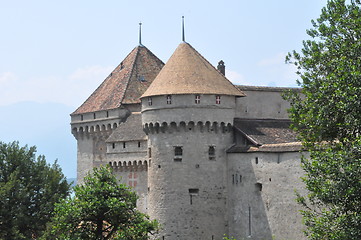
(54, 54)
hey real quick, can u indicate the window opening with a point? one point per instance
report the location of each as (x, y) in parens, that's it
(123, 144)
(256, 160)
(94, 116)
(218, 99)
(178, 154)
(81, 117)
(259, 186)
(212, 153)
(192, 192)
(113, 145)
(150, 101)
(149, 152)
(107, 113)
(169, 99)
(139, 144)
(197, 99)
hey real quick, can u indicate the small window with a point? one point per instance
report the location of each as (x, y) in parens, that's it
(197, 99)
(169, 99)
(256, 160)
(178, 154)
(218, 99)
(212, 153)
(139, 144)
(81, 117)
(94, 116)
(192, 192)
(123, 144)
(149, 153)
(150, 101)
(113, 145)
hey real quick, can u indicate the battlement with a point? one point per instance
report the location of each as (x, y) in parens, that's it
(130, 166)
(187, 127)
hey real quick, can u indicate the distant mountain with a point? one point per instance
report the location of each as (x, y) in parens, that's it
(44, 125)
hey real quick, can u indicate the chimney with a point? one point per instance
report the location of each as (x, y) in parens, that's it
(221, 67)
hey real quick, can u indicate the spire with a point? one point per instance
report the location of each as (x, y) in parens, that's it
(183, 36)
(140, 34)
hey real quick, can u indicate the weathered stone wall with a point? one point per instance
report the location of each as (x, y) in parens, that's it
(262, 103)
(130, 164)
(183, 108)
(261, 201)
(188, 194)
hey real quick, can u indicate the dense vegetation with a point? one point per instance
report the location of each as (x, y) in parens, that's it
(29, 188)
(327, 116)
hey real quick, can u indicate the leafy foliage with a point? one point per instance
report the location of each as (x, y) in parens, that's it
(327, 116)
(101, 209)
(29, 188)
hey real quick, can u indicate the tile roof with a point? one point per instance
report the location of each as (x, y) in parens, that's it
(266, 135)
(267, 89)
(266, 131)
(130, 130)
(188, 72)
(126, 83)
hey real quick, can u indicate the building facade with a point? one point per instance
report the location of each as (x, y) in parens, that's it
(206, 157)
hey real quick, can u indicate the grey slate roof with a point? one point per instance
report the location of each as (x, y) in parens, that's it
(130, 130)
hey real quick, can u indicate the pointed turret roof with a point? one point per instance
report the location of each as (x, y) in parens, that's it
(126, 83)
(188, 72)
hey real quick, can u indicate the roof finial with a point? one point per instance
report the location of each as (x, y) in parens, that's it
(183, 36)
(140, 34)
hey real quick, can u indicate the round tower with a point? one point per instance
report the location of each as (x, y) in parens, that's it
(187, 113)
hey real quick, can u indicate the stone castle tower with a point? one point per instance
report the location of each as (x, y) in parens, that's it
(206, 157)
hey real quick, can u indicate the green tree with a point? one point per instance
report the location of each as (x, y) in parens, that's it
(101, 208)
(29, 188)
(327, 116)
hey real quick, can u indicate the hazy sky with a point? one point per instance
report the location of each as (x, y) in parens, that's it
(60, 51)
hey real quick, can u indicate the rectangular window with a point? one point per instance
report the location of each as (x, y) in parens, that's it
(218, 99)
(197, 99)
(212, 153)
(123, 144)
(149, 153)
(178, 154)
(150, 101)
(193, 192)
(169, 99)
(139, 144)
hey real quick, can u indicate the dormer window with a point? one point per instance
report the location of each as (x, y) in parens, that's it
(197, 99)
(150, 101)
(169, 99)
(218, 99)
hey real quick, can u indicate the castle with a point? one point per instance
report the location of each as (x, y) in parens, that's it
(206, 157)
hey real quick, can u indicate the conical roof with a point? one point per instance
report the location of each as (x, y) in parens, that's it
(126, 83)
(188, 72)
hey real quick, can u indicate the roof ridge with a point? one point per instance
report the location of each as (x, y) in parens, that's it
(131, 73)
(213, 66)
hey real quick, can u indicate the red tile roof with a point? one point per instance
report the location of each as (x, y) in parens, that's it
(126, 83)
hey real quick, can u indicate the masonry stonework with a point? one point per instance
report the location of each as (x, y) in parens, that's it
(206, 157)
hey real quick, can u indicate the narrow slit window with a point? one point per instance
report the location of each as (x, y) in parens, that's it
(123, 144)
(139, 144)
(169, 99)
(197, 99)
(212, 153)
(113, 145)
(178, 153)
(218, 99)
(149, 152)
(150, 101)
